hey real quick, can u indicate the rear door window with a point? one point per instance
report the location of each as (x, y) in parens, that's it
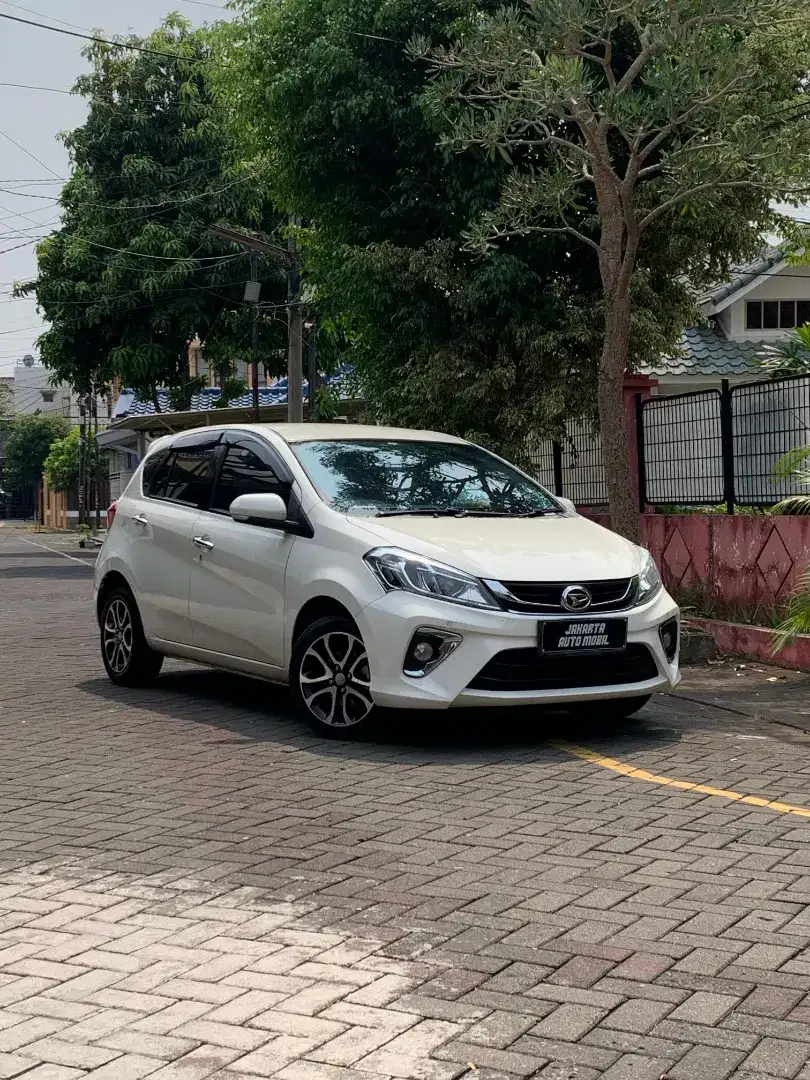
(248, 469)
(191, 476)
(184, 472)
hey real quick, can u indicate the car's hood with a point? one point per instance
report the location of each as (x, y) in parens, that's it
(569, 548)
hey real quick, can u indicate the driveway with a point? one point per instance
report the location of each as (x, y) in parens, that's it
(192, 886)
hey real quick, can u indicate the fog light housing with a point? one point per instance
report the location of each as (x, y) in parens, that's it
(428, 648)
(668, 633)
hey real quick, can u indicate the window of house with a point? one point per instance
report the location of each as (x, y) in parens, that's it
(47, 395)
(245, 472)
(776, 314)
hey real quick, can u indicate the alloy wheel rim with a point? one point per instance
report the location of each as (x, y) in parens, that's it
(118, 637)
(335, 680)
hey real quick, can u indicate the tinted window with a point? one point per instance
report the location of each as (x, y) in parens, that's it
(155, 474)
(190, 476)
(245, 472)
(368, 477)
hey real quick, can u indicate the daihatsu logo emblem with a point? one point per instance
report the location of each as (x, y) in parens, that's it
(576, 598)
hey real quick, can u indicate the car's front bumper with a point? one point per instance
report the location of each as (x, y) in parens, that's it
(388, 624)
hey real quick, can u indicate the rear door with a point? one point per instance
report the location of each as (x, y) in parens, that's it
(237, 579)
(161, 549)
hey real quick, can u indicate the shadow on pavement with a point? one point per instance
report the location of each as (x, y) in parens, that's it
(258, 712)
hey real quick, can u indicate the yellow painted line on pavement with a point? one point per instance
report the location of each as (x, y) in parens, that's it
(624, 769)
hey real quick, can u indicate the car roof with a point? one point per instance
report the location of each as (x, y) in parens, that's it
(298, 433)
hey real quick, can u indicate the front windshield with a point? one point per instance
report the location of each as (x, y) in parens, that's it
(398, 476)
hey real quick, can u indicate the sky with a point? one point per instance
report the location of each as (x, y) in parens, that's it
(32, 161)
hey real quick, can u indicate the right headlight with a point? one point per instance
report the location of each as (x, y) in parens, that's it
(649, 580)
(397, 569)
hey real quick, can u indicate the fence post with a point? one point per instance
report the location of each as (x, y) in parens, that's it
(727, 443)
(556, 459)
(642, 463)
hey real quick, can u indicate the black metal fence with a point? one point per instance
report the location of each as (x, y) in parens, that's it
(573, 466)
(722, 446)
(706, 448)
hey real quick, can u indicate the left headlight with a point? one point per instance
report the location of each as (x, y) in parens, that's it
(396, 569)
(649, 580)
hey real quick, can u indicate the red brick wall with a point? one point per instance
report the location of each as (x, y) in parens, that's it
(748, 560)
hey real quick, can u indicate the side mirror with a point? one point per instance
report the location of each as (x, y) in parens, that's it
(259, 507)
(570, 506)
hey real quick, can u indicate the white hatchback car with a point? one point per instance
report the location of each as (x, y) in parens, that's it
(371, 566)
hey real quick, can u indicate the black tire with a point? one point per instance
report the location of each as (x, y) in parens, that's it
(127, 658)
(330, 678)
(612, 709)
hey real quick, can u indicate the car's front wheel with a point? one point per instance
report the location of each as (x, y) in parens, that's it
(127, 657)
(330, 678)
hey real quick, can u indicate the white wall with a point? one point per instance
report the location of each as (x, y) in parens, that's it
(789, 283)
(32, 387)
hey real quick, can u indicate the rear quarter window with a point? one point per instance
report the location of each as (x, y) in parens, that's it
(155, 473)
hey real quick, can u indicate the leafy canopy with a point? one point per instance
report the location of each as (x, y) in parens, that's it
(326, 91)
(63, 464)
(27, 448)
(652, 133)
(133, 274)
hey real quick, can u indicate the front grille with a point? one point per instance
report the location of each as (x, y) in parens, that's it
(544, 596)
(527, 669)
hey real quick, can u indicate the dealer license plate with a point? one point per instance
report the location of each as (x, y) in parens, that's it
(583, 635)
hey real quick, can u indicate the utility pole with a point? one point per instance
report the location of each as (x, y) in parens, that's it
(82, 459)
(312, 369)
(254, 280)
(290, 257)
(96, 463)
(295, 353)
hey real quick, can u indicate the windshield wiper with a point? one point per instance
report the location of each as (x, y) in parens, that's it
(428, 511)
(538, 513)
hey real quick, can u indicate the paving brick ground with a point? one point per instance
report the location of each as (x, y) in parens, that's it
(191, 886)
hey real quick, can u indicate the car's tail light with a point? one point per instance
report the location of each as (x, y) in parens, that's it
(111, 514)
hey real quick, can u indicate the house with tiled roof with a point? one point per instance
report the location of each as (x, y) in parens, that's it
(763, 301)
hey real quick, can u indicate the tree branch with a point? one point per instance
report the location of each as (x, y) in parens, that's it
(682, 197)
(506, 234)
(638, 65)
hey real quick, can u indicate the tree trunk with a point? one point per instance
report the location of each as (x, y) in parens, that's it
(612, 420)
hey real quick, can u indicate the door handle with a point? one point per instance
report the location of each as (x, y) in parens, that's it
(139, 519)
(203, 542)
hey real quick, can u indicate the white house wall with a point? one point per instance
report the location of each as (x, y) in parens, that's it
(789, 283)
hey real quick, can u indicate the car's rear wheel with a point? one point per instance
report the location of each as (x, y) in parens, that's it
(330, 678)
(128, 659)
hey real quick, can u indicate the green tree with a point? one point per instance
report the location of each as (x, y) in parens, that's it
(133, 273)
(619, 121)
(63, 463)
(493, 349)
(28, 446)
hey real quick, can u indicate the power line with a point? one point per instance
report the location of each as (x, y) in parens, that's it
(31, 11)
(19, 146)
(26, 195)
(99, 40)
(28, 243)
(142, 101)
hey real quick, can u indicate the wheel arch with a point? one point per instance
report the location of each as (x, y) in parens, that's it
(111, 580)
(319, 607)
